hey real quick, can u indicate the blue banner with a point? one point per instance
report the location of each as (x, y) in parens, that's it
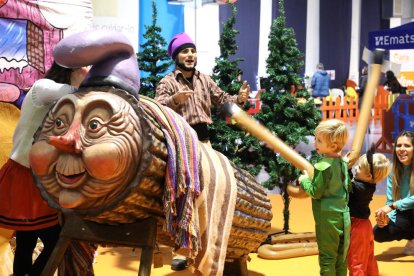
(401, 37)
(170, 18)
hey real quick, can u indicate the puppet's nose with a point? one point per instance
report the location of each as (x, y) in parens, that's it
(70, 142)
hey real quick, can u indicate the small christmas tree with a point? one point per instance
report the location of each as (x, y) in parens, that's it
(153, 57)
(229, 139)
(292, 121)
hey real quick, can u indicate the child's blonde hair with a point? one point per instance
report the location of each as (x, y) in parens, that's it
(380, 163)
(333, 131)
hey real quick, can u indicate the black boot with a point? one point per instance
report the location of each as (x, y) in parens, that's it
(178, 264)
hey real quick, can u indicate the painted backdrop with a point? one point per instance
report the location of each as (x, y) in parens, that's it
(29, 30)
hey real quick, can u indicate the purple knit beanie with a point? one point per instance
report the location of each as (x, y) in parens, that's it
(178, 42)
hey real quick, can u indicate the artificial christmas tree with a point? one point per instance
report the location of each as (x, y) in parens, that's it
(282, 112)
(152, 58)
(230, 139)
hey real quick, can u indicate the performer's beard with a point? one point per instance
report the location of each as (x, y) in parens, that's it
(183, 67)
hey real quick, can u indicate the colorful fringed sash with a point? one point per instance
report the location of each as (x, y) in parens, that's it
(182, 183)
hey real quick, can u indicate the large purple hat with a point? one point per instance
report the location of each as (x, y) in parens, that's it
(178, 42)
(111, 55)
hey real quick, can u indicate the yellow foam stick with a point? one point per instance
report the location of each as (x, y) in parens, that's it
(366, 106)
(272, 141)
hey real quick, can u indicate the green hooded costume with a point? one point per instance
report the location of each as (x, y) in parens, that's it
(329, 190)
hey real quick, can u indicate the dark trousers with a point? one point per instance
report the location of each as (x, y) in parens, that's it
(25, 244)
(202, 131)
(401, 229)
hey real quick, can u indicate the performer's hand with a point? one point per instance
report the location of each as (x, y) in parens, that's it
(243, 93)
(181, 96)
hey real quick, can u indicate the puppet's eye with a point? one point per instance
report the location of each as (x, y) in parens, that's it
(94, 125)
(58, 122)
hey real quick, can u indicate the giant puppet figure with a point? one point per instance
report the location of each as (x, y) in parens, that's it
(113, 157)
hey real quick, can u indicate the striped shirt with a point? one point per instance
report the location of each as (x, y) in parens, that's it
(197, 109)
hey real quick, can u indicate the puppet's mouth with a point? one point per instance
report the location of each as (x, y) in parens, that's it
(71, 181)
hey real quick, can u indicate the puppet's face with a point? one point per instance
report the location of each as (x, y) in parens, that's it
(88, 149)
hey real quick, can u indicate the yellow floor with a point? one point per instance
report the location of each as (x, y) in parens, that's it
(124, 262)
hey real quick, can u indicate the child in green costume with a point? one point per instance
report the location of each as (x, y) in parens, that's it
(329, 190)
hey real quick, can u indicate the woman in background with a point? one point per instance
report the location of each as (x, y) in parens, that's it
(392, 84)
(395, 220)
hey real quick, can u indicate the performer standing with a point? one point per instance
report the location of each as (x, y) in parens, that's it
(22, 207)
(329, 190)
(191, 93)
